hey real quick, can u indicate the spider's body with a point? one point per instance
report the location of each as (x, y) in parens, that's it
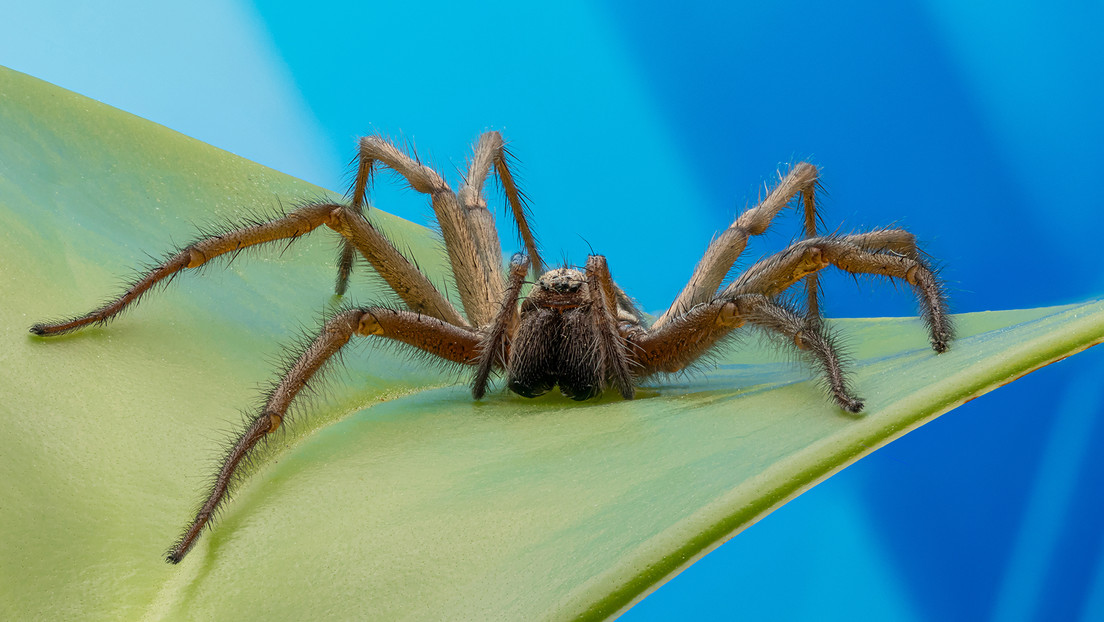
(558, 335)
(575, 328)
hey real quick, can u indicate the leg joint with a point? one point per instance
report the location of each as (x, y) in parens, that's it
(729, 315)
(196, 257)
(369, 325)
(912, 275)
(274, 421)
(341, 219)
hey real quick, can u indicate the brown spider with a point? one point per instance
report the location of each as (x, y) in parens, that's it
(576, 328)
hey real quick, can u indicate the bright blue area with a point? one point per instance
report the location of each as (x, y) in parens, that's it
(646, 127)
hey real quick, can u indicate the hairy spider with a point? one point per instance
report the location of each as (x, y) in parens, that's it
(576, 329)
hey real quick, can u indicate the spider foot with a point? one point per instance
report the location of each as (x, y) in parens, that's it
(850, 404)
(43, 329)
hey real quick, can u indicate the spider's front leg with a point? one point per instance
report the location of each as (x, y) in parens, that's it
(428, 334)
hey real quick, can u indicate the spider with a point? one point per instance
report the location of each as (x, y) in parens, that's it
(575, 328)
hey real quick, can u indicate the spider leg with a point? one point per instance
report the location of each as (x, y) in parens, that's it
(812, 281)
(469, 233)
(686, 338)
(811, 337)
(727, 247)
(612, 351)
(494, 348)
(891, 252)
(293, 225)
(490, 151)
(429, 334)
(403, 277)
(345, 262)
(365, 170)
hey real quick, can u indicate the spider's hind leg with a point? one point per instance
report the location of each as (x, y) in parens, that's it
(490, 153)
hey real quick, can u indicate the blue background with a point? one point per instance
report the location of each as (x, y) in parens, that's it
(644, 128)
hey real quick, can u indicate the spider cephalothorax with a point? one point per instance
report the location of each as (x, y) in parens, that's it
(575, 329)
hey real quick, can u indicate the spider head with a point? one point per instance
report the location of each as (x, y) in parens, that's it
(561, 288)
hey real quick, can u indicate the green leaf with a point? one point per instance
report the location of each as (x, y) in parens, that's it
(398, 496)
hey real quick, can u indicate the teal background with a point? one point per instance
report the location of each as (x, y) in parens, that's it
(643, 128)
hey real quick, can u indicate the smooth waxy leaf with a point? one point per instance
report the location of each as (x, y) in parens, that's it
(398, 495)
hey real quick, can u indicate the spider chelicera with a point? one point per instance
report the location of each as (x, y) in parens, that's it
(575, 329)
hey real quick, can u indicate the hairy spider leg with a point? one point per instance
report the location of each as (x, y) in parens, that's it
(888, 252)
(812, 281)
(400, 274)
(613, 355)
(494, 349)
(490, 151)
(682, 341)
(471, 240)
(726, 248)
(428, 334)
(751, 298)
(811, 337)
(293, 225)
(473, 276)
(345, 260)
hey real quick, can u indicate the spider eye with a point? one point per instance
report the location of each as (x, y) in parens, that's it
(560, 285)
